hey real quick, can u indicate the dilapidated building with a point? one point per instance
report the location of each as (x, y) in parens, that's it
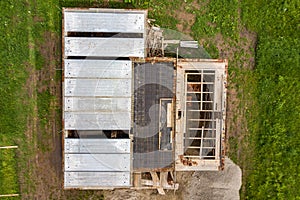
(132, 117)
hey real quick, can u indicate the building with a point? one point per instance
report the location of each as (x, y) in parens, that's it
(131, 116)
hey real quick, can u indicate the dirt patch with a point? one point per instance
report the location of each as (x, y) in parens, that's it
(186, 20)
(44, 141)
(139, 194)
(38, 19)
(197, 5)
(248, 44)
(186, 17)
(242, 52)
(31, 81)
(192, 185)
(215, 185)
(225, 50)
(49, 157)
(46, 75)
(233, 117)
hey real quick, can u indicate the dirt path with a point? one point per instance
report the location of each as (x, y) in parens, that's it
(41, 177)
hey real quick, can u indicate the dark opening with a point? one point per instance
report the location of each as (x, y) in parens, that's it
(194, 78)
(105, 35)
(114, 134)
(97, 58)
(73, 134)
(179, 114)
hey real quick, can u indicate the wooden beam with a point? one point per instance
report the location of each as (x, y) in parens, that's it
(9, 147)
(9, 195)
(156, 182)
(137, 179)
(146, 182)
(163, 179)
(171, 41)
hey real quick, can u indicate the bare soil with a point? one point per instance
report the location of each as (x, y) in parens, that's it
(223, 185)
(44, 162)
(186, 19)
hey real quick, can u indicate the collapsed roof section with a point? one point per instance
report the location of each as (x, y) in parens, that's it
(130, 121)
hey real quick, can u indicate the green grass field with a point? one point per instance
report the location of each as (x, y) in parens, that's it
(13, 70)
(275, 132)
(268, 92)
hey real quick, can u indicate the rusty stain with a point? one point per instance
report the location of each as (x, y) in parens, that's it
(222, 163)
(165, 169)
(202, 60)
(153, 59)
(187, 161)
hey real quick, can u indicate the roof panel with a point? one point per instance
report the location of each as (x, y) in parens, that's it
(100, 87)
(97, 68)
(97, 121)
(96, 179)
(104, 22)
(104, 47)
(97, 162)
(97, 145)
(90, 104)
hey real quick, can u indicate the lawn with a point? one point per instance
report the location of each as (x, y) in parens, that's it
(13, 70)
(275, 133)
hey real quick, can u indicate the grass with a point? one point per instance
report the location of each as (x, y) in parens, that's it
(8, 172)
(276, 131)
(13, 72)
(233, 153)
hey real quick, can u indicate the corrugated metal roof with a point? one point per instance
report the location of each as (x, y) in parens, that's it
(89, 112)
(83, 68)
(98, 87)
(97, 145)
(97, 162)
(97, 93)
(91, 104)
(97, 121)
(104, 47)
(96, 179)
(122, 22)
